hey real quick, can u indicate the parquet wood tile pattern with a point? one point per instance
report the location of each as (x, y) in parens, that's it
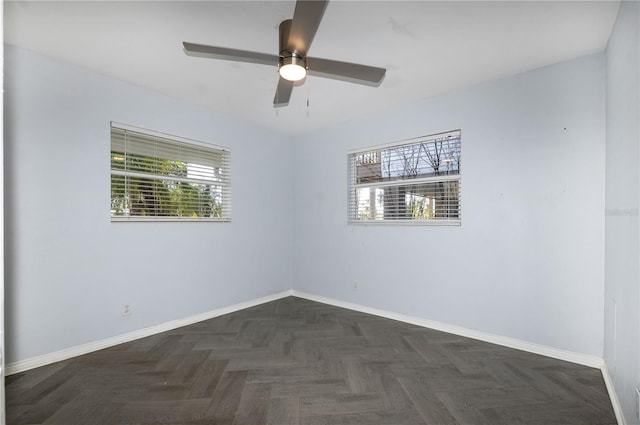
(294, 361)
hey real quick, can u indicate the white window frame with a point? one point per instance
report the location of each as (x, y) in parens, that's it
(195, 149)
(373, 155)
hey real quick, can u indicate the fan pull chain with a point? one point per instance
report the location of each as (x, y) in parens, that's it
(308, 93)
(277, 94)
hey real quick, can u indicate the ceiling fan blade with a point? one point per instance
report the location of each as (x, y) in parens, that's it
(345, 71)
(224, 53)
(283, 92)
(306, 19)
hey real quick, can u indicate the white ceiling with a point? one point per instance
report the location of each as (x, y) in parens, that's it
(428, 48)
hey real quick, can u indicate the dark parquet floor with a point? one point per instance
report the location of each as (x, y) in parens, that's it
(294, 361)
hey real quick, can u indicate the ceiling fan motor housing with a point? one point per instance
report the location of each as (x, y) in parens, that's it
(292, 59)
(289, 56)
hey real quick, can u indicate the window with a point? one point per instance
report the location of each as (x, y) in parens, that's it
(155, 176)
(416, 181)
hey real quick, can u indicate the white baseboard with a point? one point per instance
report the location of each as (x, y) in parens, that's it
(592, 361)
(615, 402)
(569, 356)
(45, 359)
(65, 354)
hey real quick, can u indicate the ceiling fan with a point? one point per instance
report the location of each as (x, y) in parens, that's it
(293, 63)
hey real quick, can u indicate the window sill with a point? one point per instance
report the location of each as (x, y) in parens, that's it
(168, 219)
(405, 222)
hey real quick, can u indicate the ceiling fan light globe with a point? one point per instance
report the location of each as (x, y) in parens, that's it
(292, 68)
(293, 72)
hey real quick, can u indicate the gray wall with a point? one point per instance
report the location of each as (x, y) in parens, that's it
(622, 237)
(527, 261)
(69, 269)
(2, 350)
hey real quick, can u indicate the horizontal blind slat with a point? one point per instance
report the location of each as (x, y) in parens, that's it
(417, 180)
(155, 176)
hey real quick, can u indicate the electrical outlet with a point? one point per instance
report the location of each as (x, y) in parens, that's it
(126, 310)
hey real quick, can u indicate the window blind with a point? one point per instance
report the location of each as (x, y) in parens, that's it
(156, 176)
(415, 181)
